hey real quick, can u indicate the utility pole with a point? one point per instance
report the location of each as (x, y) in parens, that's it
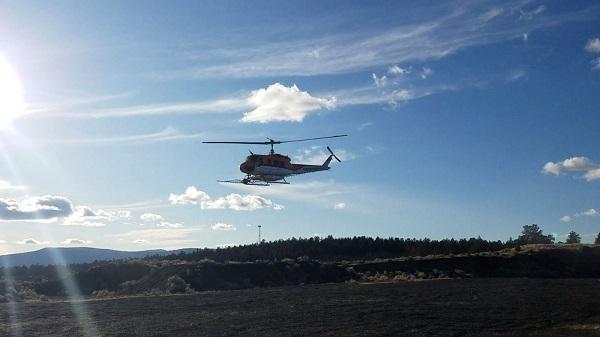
(259, 238)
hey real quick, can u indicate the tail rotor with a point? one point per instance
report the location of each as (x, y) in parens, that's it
(333, 155)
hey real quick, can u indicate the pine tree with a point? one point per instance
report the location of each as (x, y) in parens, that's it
(573, 238)
(533, 234)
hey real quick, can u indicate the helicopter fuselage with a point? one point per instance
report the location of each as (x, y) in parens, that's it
(274, 167)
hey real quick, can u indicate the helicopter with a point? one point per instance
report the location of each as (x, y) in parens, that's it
(273, 168)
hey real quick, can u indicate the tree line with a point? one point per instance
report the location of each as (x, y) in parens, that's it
(367, 248)
(324, 249)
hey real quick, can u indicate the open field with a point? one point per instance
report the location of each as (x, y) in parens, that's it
(460, 307)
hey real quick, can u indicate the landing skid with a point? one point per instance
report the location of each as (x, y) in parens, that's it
(254, 181)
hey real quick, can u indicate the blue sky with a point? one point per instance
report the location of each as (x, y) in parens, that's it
(465, 118)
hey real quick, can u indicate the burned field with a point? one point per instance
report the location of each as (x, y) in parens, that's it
(451, 307)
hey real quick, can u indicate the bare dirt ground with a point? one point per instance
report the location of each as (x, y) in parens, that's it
(468, 307)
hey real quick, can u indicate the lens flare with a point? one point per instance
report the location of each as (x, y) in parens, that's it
(11, 95)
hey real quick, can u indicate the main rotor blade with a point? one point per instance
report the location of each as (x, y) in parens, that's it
(303, 140)
(276, 141)
(256, 143)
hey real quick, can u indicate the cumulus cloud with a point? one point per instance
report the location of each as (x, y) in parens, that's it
(151, 217)
(340, 205)
(566, 218)
(593, 45)
(35, 208)
(240, 203)
(223, 227)
(396, 70)
(193, 196)
(32, 241)
(87, 217)
(574, 164)
(589, 212)
(596, 63)
(74, 241)
(278, 103)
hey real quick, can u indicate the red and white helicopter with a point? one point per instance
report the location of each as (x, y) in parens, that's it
(273, 168)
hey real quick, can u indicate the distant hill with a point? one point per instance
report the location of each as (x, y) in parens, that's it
(69, 255)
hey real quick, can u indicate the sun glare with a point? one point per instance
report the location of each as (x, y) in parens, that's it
(11, 94)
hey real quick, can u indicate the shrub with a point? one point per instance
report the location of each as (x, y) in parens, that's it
(176, 285)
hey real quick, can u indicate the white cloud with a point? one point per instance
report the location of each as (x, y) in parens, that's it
(169, 224)
(396, 70)
(566, 218)
(319, 193)
(596, 63)
(364, 125)
(379, 82)
(574, 164)
(340, 205)
(593, 45)
(516, 75)
(317, 155)
(55, 103)
(592, 174)
(400, 96)
(528, 15)
(7, 186)
(86, 217)
(222, 227)
(35, 208)
(426, 72)
(151, 217)
(2, 241)
(193, 196)
(278, 103)
(32, 241)
(278, 207)
(239, 203)
(589, 212)
(74, 241)
(448, 30)
(197, 107)
(159, 237)
(168, 134)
